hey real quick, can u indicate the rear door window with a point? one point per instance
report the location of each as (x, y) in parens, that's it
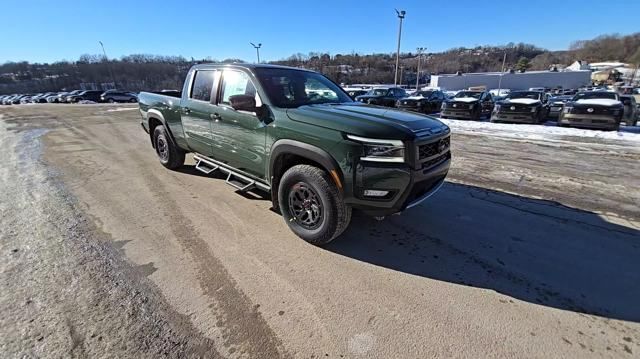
(236, 83)
(202, 85)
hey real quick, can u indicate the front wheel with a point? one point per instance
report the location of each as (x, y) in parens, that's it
(312, 205)
(168, 153)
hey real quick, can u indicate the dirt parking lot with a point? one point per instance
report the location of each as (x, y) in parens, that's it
(531, 249)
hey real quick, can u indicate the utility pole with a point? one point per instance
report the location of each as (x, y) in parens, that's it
(257, 47)
(106, 59)
(504, 59)
(419, 49)
(401, 15)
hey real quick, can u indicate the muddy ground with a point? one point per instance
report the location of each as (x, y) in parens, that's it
(529, 250)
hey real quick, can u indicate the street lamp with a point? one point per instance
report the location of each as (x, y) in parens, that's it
(257, 47)
(401, 15)
(504, 59)
(106, 59)
(420, 50)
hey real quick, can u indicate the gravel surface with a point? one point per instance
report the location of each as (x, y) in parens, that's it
(529, 250)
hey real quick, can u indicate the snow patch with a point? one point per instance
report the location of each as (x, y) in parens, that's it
(537, 132)
(599, 101)
(524, 101)
(122, 109)
(465, 99)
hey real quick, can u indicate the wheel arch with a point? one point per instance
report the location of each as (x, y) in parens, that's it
(288, 153)
(155, 118)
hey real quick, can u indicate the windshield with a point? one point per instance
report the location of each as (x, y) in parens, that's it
(422, 93)
(593, 95)
(288, 88)
(378, 92)
(473, 94)
(534, 95)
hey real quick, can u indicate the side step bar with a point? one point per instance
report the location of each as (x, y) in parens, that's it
(240, 181)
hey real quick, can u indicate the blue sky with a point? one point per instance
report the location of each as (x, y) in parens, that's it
(50, 30)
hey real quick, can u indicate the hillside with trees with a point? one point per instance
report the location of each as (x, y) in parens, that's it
(153, 72)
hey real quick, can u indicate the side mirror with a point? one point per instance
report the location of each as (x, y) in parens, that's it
(243, 103)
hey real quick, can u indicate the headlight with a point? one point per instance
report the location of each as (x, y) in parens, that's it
(377, 150)
(471, 106)
(533, 109)
(496, 108)
(567, 109)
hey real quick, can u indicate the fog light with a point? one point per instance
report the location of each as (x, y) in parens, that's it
(375, 193)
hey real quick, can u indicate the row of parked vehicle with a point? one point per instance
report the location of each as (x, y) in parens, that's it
(588, 108)
(75, 96)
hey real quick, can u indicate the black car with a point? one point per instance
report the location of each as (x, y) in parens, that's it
(556, 103)
(113, 96)
(427, 101)
(89, 95)
(593, 109)
(522, 106)
(67, 96)
(355, 93)
(471, 105)
(383, 96)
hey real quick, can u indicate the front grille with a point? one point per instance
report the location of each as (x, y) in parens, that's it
(515, 108)
(592, 110)
(434, 148)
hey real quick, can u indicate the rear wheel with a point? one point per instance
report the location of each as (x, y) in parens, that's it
(169, 155)
(133, 100)
(311, 204)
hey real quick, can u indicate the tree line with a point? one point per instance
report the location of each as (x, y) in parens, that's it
(141, 72)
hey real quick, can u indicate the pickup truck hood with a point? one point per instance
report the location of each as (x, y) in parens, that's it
(366, 121)
(599, 101)
(521, 101)
(464, 99)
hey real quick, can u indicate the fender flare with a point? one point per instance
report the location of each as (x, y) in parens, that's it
(153, 113)
(308, 151)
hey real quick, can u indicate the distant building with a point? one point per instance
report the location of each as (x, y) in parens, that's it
(514, 81)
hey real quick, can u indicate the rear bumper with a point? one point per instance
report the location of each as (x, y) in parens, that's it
(590, 121)
(408, 188)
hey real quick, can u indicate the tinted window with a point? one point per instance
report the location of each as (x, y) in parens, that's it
(291, 88)
(236, 83)
(202, 86)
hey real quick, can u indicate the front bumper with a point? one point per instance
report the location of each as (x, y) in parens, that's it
(590, 121)
(522, 117)
(457, 113)
(408, 187)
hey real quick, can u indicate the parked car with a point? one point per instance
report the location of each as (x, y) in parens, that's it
(426, 101)
(382, 96)
(353, 93)
(88, 95)
(556, 103)
(631, 111)
(468, 105)
(54, 98)
(65, 97)
(42, 98)
(112, 96)
(593, 109)
(319, 156)
(523, 107)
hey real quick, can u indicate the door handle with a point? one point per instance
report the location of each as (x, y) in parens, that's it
(215, 116)
(186, 110)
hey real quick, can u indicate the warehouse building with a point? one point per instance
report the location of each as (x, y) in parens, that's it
(514, 81)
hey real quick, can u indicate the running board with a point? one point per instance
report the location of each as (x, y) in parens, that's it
(235, 179)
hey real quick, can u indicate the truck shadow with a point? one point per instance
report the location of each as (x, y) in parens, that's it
(533, 250)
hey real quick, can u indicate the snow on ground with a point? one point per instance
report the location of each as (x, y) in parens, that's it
(541, 132)
(122, 109)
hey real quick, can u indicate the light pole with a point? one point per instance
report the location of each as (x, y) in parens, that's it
(106, 59)
(257, 47)
(419, 49)
(401, 15)
(504, 59)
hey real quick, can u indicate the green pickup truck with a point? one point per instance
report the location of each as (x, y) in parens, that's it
(298, 135)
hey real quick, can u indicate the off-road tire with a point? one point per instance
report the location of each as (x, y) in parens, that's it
(336, 215)
(169, 155)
